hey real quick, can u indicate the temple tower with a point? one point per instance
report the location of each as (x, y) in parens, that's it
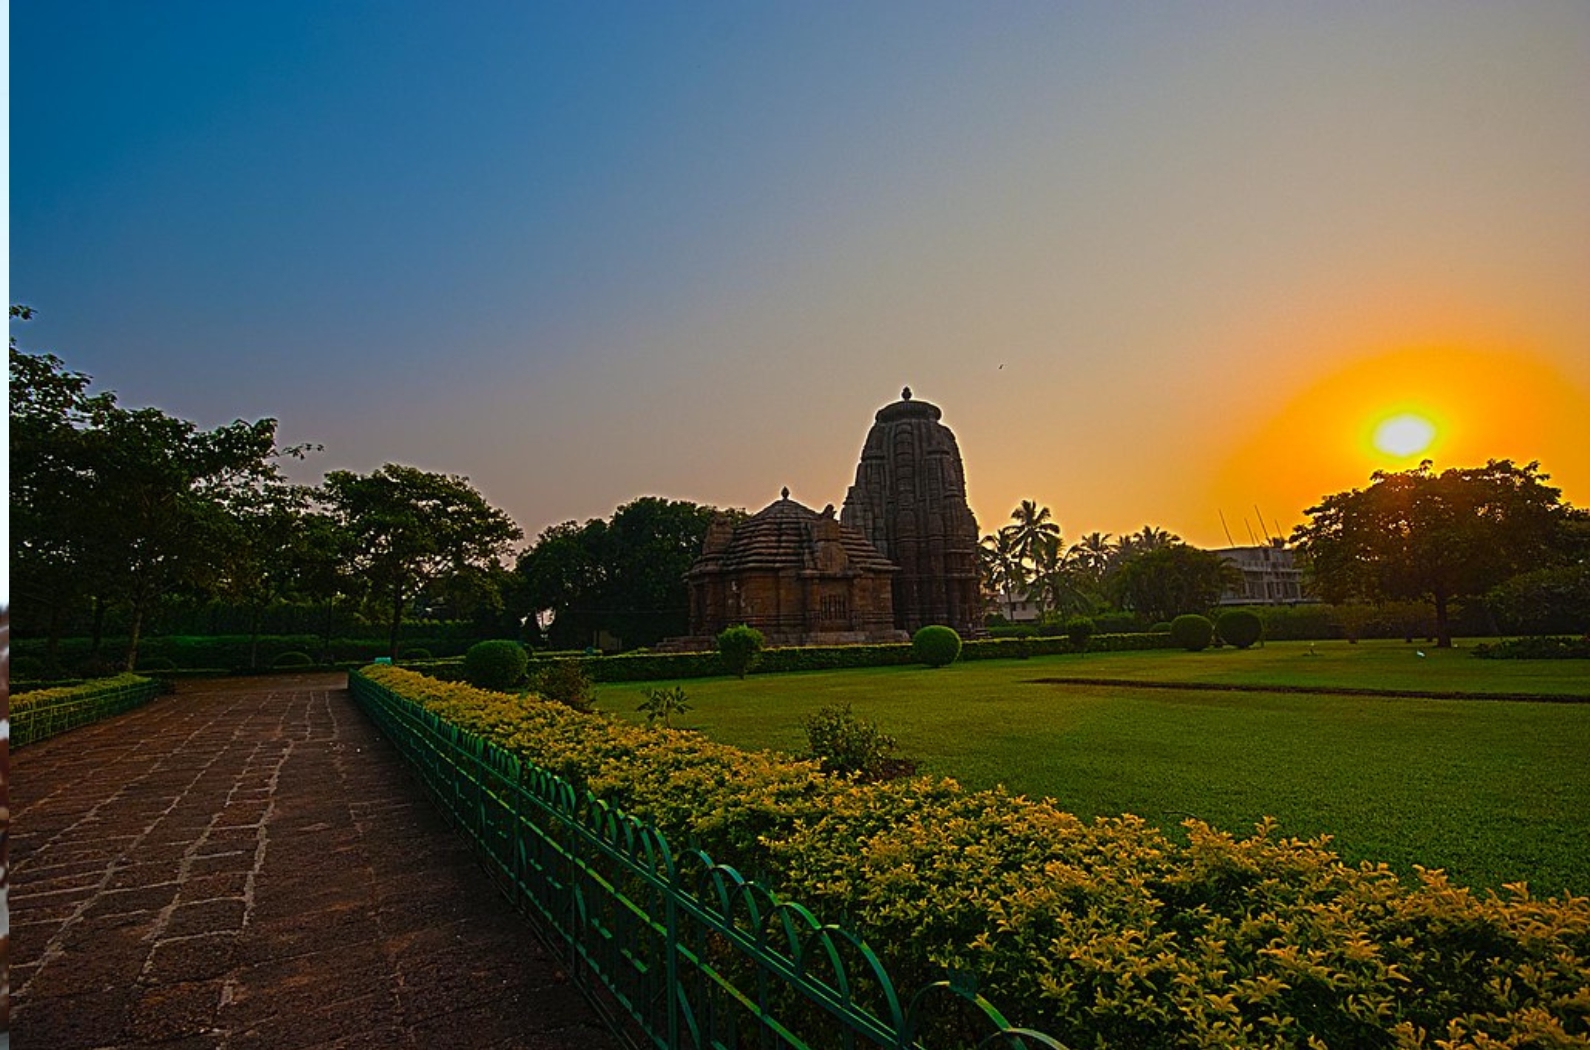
(909, 499)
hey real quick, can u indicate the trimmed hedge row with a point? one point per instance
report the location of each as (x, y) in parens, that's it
(1547, 648)
(1104, 933)
(227, 651)
(646, 667)
(43, 713)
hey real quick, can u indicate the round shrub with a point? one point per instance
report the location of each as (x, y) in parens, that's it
(293, 659)
(1162, 627)
(739, 648)
(498, 665)
(415, 652)
(936, 645)
(1239, 627)
(1192, 632)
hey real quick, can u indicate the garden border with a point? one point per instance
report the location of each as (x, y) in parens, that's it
(690, 951)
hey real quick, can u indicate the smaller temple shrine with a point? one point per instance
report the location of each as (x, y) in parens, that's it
(797, 575)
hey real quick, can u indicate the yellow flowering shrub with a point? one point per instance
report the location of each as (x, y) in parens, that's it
(37, 698)
(1105, 933)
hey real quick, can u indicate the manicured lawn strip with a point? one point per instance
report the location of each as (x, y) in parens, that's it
(1384, 665)
(1494, 792)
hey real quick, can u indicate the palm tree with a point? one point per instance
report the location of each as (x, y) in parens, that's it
(1146, 539)
(1057, 584)
(1092, 555)
(1003, 572)
(1034, 526)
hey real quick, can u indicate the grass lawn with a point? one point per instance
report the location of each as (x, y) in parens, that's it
(1494, 791)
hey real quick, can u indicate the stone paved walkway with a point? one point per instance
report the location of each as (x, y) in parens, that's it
(247, 864)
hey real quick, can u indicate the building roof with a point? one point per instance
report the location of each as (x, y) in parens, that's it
(786, 535)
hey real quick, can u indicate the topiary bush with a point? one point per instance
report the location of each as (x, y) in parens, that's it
(498, 665)
(1162, 627)
(1078, 630)
(293, 659)
(415, 652)
(739, 647)
(936, 645)
(1192, 632)
(1239, 627)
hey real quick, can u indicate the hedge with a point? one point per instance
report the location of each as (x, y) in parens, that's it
(1104, 933)
(227, 651)
(647, 667)
(42, 713)
(1547, 648)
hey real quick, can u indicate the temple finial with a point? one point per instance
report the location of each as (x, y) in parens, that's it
(785, 493)
(905, 395)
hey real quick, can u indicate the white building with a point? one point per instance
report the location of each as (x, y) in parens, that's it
(1270, 576)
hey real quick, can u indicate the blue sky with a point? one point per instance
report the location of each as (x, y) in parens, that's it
(583, 253)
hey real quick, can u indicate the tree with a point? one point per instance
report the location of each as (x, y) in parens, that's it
(1171, 580)
(1003, 573)
(169, 492)
(266, 552)
(1033, 530)
(625, 576)
(53, 508)
(1416, 535)
(410, 527)
(1144, 541)
(1056, 585)
(650, 545)
(564, 571)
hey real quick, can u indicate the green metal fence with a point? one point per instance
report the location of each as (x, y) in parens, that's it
(32, 722)
(691, 953)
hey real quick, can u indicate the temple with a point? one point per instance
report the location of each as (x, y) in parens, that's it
(901, 555)
(797, 575)
(909, 500)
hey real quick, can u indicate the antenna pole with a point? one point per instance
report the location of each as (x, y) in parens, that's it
(1262, 529)
(1223, 527)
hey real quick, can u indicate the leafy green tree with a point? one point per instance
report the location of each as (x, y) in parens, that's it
(409, 528)
(1167, 581)
(172, 491)
(118, 505)
(1545, 601)
(624, 576)
(55, 563)
(1416, 535)
(564, 570)
(650, 545)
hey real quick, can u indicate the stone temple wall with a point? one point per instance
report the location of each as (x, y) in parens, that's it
(909, 499)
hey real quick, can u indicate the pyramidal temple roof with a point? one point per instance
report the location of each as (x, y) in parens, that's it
(785, 535)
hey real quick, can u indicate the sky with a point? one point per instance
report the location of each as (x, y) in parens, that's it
(1158, 263)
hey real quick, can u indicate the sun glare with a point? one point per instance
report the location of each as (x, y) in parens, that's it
(1404, 435)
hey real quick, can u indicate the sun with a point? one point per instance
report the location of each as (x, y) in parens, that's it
(1404, 435)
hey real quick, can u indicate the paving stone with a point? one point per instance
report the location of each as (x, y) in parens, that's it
(199, 958)
(248, 864)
